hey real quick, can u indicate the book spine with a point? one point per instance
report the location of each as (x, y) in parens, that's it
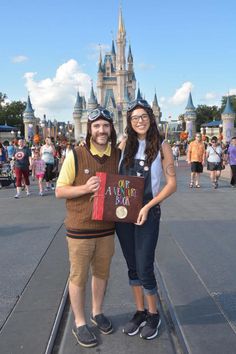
(99, 197)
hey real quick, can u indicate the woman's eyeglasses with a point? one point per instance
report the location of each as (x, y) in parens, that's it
(100, 112)
(135, 103)
(143, 117)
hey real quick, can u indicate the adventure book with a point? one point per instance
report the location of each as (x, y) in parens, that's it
(119, 198)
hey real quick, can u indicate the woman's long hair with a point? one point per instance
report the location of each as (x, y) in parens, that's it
(153, 140)
(112, 138)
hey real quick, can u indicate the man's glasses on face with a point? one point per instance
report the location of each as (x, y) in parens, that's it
(144, 117)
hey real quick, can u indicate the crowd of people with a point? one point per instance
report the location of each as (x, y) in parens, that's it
(40, 162)
(214, 154)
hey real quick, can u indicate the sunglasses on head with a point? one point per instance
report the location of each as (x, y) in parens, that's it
(100, 112)
(135, 103)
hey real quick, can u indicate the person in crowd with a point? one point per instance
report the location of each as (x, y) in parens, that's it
(214, 157)
(232, 161)
(22, 164)
(90, 242)
(38, 169)
(47, 153)
(196, 157)
(3, 154)
(11, 150)
(144, 154)
(176, 154)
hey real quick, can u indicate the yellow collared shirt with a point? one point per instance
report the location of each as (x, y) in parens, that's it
(67, 172)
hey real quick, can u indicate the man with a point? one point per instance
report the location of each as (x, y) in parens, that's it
(22, 163)
(90, 243)
(196, 157)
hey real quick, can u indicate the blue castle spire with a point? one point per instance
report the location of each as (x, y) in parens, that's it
(228, 108)
(190, 105)
(29, 108)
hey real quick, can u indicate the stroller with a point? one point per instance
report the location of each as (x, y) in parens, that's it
(7, 176)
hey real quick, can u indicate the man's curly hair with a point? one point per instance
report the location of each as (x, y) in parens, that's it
(153, 139)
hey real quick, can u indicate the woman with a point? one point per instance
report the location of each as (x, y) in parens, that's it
(232, 161)
(47, 153)
(214, 154)
(143, 154)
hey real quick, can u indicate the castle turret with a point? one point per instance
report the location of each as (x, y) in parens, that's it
(156, 109)
(77, 114)
(139, 96)
(113, 53)
(190, 117)
(121, 73)
(228, 118)
(92, 101)
(131, 75)
(29, 121)
(100, 80)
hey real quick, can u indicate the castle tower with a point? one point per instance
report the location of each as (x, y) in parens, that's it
(121, 72)
(113, 53)
(228, 118)
(92, 101)
(190, 117)
(131, 83)
(77, 114)
(156, 109)
(29, 121)
(100, 79)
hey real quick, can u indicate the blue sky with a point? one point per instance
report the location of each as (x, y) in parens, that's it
(50, 48)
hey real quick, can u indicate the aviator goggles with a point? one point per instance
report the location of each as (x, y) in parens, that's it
(135, 103)
(100, 112)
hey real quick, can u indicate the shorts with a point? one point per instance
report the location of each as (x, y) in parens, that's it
(214, 166)
(196, 167)
(83, 253)
(40, 175)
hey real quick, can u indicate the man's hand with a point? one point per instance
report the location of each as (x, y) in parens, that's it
(92, 184)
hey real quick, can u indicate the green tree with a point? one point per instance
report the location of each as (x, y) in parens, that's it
(206, 114)
(12, 114)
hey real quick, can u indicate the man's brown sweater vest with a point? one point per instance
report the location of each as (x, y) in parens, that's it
(78, 222)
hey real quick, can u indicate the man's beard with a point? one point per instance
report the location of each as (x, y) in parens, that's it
(95, 139)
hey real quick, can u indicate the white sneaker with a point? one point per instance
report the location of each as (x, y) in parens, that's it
(17, 196)
(28, 194)
(41, 194)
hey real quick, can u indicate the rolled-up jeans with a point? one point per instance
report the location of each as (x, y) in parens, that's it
(138, 244)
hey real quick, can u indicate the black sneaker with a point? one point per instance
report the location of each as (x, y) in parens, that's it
(84, 336)
(103, 323)
(138, 320)
(150, 330)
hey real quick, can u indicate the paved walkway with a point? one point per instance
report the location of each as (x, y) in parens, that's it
(195, 262)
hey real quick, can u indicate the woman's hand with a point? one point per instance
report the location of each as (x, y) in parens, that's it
(142, 216)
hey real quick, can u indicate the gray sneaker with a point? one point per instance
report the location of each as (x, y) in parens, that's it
(138, 321)
(84, 336)
(150, 330)
(103, 323)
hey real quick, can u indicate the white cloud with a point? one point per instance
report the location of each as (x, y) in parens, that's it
(209, 96)
(19, 59)
(181, 94)
(232, 91)
(94, 50)
(56, 96)
(146, 67)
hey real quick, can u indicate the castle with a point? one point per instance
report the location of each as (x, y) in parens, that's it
(116, 86)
